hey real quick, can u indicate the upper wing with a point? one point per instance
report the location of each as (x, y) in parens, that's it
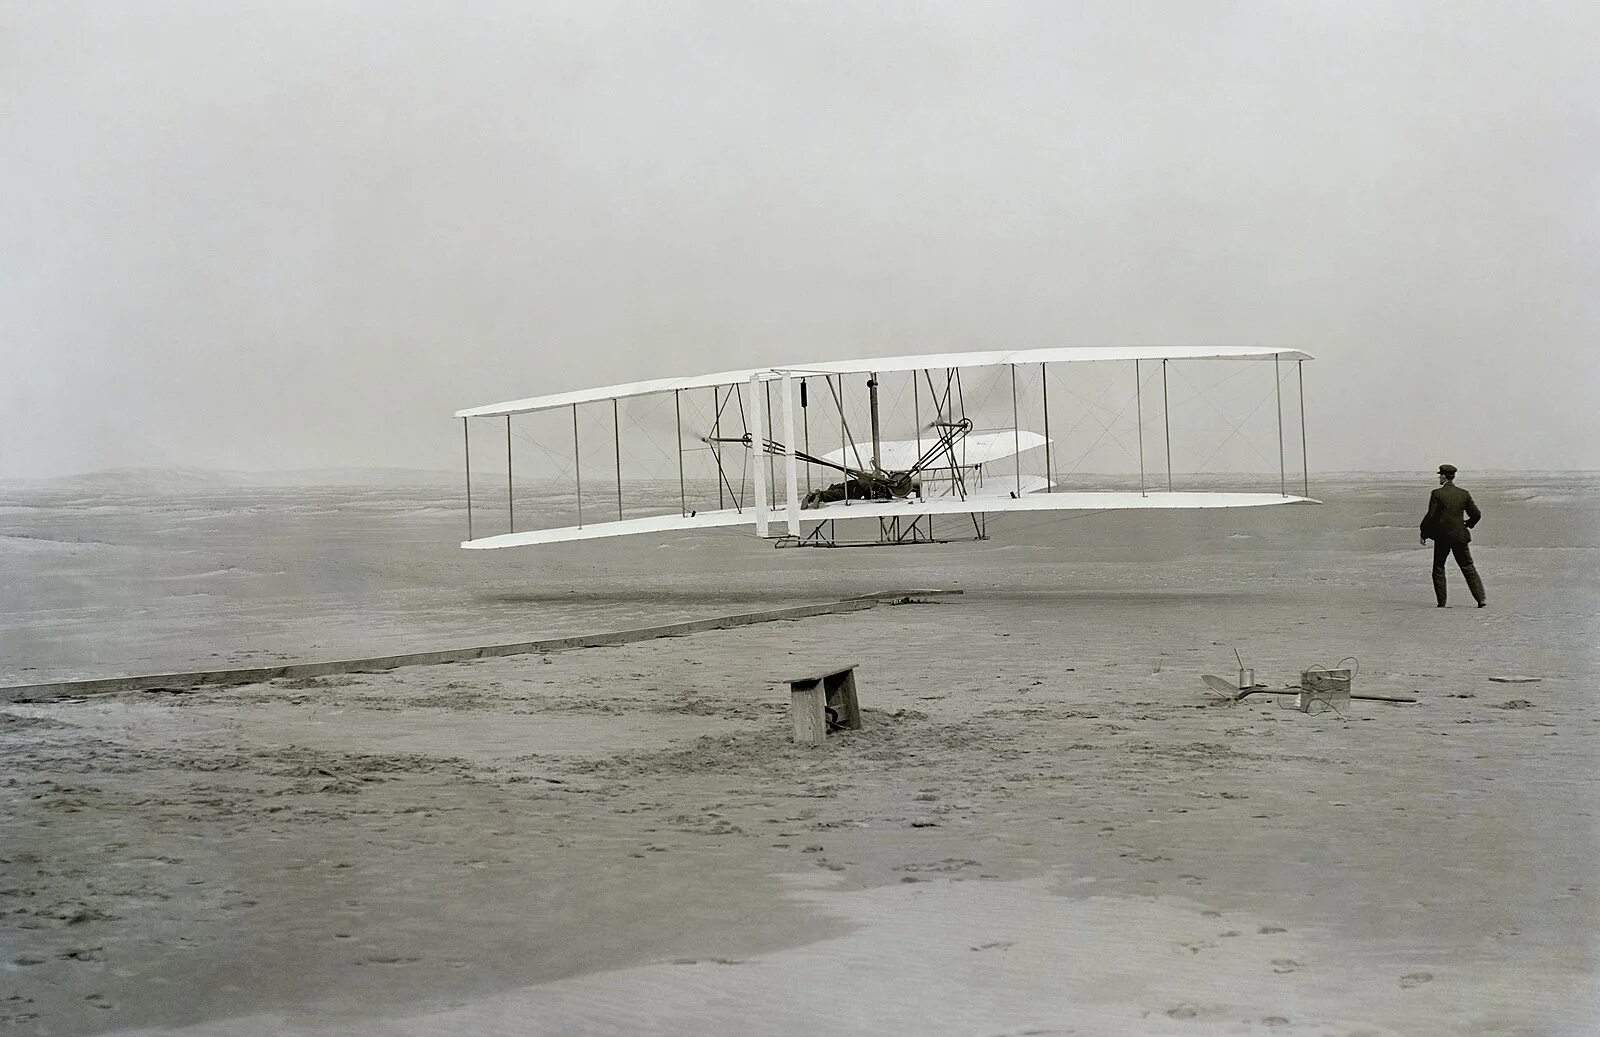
(989, 358)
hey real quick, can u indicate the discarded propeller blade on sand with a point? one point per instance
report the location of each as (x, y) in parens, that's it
(1226, 688)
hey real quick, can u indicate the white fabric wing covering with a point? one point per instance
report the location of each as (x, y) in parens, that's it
(929, 361)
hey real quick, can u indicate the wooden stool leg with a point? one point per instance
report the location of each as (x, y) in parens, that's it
(850, 701)
(808, 701)
(842, 697)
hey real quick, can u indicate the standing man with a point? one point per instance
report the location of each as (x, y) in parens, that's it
(1447, 529)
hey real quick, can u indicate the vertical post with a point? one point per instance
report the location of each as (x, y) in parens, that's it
(677, 424)
(1044, 387)
(759, 442)
(578, 469)
(872, 402)
(577, 463)
(1166, 423)
(1277, 388)
(916, 413)
(772, 478)
(716, 430)
(511, 497)
(961, 403)
(1138, 395)
(805, 419)
(791, 477)
(844, 443)
(466, 441)
(1016, 430)
(616, 425)
(1305, 464)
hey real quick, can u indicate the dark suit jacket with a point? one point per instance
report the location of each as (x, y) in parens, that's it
(1444, 523)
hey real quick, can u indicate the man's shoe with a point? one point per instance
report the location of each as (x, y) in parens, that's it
(1483, 604)
(1441, 605)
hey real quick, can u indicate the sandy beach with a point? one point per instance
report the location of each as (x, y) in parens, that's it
(1046, 825)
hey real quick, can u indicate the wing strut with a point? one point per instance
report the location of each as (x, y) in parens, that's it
(677, 421)
(1305, 464)
(1138, 395)
(577, 468)
(1016, 429)
(760, 469)
(1166, 423)
(1277, 388)
(616, 424)
(872, 399)
(466, 440)
(791, 481)
(1044, 387)
(718, 402)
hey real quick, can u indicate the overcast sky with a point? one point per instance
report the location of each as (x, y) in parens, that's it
(288, 235)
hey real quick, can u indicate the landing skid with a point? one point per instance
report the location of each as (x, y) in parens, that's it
(892, 532)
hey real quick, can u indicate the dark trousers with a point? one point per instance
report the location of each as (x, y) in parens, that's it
(1444, 549)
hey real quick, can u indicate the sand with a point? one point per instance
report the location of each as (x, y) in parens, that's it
(1047, 825)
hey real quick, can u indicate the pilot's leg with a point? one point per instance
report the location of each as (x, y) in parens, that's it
(1470, 571)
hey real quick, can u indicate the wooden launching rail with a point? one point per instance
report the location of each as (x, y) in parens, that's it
(258, 674)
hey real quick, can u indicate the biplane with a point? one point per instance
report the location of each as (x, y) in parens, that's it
(910, 449)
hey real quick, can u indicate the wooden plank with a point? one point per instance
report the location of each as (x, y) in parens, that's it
(807, 711)
(257, 674)
(818, 673)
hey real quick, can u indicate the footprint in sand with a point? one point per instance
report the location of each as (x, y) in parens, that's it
(1283, 966)
(82, 954)
(1183, 1011)
(1267, 930)
(1415, 979)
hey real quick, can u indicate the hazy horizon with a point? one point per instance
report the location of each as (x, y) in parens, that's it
(300, 236)
(260, 477)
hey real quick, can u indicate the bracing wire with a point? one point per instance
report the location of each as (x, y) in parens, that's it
(1088, 409)
(1098, 439)
(1236, 429)
(1200, 394)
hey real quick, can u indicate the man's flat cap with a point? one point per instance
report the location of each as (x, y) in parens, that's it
(1447, 469)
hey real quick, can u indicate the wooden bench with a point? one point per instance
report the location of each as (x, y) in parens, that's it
(823, 702)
